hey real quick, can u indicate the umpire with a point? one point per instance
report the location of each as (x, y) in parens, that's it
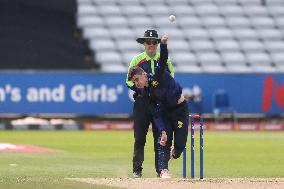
(148, 60)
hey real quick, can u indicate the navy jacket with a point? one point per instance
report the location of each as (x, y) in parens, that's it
(163, 91)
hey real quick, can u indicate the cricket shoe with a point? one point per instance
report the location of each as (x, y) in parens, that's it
(137, 174)
(165, 174)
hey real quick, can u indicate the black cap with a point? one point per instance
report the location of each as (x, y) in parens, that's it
(149, 34)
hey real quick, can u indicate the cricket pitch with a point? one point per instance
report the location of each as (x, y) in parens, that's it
(212, 183)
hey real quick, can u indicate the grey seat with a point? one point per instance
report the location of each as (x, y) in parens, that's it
(209, 58)
(214, 69)
(202, 45)
(227, 45)
(278, 60)
(103, 2)
(231, 10)
(275, 2)
(258, 58)
(133, 10)
(96, 32)
(260, 62)
(245, 34)
(239, 69)
(249, 2)
(235, 62)
(268, 34)
(110, 61)
(256, 10)
(233, 58)
(109, 10)
(116, 21)
(89, 20)
(152, 2)
(220, 33)
(211, 62)
(206, 9)
(128, 2)
(162, 21)
(182, 10)
(213, 21)
(225, 2)
(262, 22)
(274, 46)
(102, 45)
(196, 2)
(139, 21)
(252, 46)
(279, 21)
(176, 2)
(238, 22)
(196, 33)
(178, 46)
(172, 32)
(276, 11)
(157, 10)
(188, 22)
(184, 58)
(122, 33)
(187, 68)
(128, 45)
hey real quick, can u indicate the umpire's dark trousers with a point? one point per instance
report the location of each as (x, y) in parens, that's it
(142, 119)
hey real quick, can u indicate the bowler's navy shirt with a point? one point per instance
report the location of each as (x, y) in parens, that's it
(163, 89)
(164, 92)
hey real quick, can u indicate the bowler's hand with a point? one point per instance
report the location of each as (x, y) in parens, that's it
(164, 138)
(164, 39)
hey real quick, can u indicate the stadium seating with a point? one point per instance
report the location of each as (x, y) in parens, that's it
(215, 36)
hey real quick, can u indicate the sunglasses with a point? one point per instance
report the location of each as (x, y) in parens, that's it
(151, 42)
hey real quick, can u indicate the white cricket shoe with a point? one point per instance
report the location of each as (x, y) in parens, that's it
(165, 174)
(137, 174)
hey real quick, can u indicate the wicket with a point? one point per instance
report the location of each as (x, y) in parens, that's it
(192, 129)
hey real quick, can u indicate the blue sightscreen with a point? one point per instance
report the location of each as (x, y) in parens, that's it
(87, 93)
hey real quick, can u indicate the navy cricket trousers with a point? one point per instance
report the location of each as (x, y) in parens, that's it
(179, 121)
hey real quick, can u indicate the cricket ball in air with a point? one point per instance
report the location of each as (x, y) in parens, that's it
(172, 18)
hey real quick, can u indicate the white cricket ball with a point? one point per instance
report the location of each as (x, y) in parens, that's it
(172, 18)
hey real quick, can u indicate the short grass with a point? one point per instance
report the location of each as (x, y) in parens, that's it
(109, 154)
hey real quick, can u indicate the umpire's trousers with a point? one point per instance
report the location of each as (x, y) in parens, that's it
(142, 119)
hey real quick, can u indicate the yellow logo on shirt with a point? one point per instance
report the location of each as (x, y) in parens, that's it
(180, 124)
(155, 83)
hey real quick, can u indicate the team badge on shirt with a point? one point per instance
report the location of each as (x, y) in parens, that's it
(155, 83)
(180, 124)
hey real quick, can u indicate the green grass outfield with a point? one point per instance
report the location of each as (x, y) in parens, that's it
(109, 154)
